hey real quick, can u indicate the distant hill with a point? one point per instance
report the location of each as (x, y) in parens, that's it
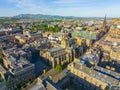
(40, 16)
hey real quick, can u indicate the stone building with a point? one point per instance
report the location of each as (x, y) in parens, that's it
(93, 78)
(111, 44)
(2, 79)
(65, 41)
(56, 56)
(19, 70)
(20, 76)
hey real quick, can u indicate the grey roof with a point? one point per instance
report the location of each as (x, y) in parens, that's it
(55, 49)
(62, 53)
(90, 58)
(95, 74)
(108, 71)
(37, 87)
(2, 70)
(52, 86)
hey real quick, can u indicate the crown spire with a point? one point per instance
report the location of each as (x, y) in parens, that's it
(104, 22)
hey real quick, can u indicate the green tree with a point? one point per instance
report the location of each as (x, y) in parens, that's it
(76, 25)
(57, 29)
(21, 27)
(51, 29)
(34, 29)
(40, 26)
(59, 67)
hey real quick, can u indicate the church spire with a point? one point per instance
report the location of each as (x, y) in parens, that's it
(104, 22)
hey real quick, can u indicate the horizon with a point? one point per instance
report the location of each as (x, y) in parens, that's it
(59, 15)
(76, 8)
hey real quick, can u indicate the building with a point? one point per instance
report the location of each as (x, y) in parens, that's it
(52, 86)
(56, 56)
(21, 38)
(90, 58)
(36, 85)
(81, 41)
(55, 36)
(19, 70)
(17, 53)
(93, 79)
(32, 35)
(115, 54)
(2, 79)
(65, 41)
(2, 84)
(104, 23)
(20, 76)
(110, 44)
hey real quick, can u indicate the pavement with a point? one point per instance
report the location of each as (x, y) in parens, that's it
(54, 75)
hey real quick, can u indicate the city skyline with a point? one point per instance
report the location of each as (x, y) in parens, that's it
(79, 8)
(47, 52)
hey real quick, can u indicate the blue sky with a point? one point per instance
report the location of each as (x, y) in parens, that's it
(85, 8)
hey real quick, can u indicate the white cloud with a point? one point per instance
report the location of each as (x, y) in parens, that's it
(72, 1)
(29, 6)
(61, 7)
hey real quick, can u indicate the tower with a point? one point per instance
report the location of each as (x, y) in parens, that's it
(64, 41)
(104, 23)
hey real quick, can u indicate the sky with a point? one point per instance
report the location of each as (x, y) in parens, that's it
(79, 8)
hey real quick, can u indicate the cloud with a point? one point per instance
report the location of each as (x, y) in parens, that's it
(72, 1)
(62, 7)
(29, 6)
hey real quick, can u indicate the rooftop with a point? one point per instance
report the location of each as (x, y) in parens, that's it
(55, 49)
(95, 74)
(2, 70)
(15, 60)
(90, 58)
(37, 87)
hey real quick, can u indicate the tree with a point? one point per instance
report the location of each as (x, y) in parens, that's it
(46, 27)
(59, 67)
(21, 27)
(40, 25)
(76, 25)
(57, 29)
(51, 29)
(34, 29)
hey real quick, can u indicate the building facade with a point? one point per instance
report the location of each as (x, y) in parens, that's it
(92, 79)
(56, 56)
